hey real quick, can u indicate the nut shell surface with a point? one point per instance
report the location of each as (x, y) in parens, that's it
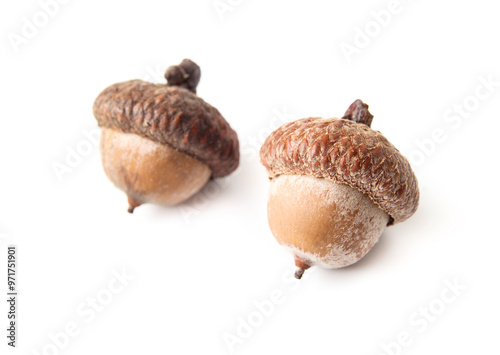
(150, 172)
(323, 222)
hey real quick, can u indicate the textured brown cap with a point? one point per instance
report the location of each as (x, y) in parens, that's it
(171, 115)
(346, 152)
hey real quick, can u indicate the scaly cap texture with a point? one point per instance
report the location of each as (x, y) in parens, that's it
(346, 152)
(171, 114)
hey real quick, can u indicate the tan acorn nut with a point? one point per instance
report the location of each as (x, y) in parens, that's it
(335, 186)
(162, 143)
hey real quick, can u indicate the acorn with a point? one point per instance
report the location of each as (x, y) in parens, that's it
(336, 184)
(161, 143)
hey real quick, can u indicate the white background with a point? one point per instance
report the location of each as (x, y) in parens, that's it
(199, 268)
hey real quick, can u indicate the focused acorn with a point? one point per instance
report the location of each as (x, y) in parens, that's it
(336, 184)
(161, 143)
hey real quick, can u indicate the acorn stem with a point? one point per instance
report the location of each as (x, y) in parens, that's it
(132, 205)
(358, 112)
(299, 273)
(186, 75)
(302, 266)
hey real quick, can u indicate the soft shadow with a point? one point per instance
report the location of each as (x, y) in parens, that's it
(239, 189)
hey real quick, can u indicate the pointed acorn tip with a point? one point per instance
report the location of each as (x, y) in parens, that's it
(132, 205)
(302, 266)
(299, 273)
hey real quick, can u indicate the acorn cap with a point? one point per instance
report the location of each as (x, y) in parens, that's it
(171, 114)
(347, 151)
